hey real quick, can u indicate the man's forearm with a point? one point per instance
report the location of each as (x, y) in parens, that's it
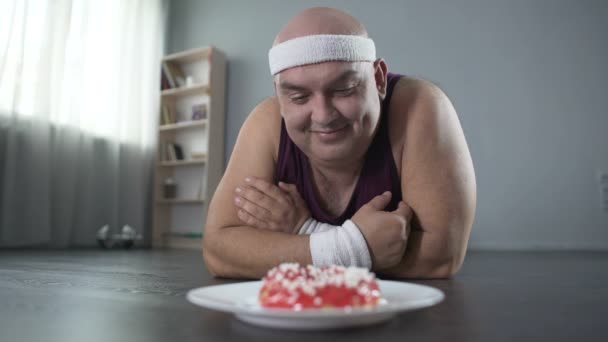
(427, 256)
(256, 252)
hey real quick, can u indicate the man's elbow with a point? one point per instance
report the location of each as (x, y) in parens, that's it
(212, 262)
(212, 267)
(450, 262)
(209, 259)
(445, 269)
(448, 268)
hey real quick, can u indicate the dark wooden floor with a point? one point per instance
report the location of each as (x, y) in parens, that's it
(138, 295)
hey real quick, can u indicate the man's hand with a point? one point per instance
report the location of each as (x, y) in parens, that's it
(385, 232)
(263, 205)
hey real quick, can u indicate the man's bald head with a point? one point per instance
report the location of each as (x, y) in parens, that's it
(328, 83)
(320, 20)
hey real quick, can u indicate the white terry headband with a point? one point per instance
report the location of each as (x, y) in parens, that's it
(320, 48)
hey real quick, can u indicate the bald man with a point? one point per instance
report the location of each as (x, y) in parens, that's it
(348, 164)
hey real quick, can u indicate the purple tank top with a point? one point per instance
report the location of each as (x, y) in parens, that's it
(379, 173)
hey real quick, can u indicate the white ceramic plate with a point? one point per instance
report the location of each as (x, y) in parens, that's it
(241, 299)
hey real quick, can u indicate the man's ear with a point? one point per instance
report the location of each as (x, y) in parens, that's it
(380, 72)
(274, 85)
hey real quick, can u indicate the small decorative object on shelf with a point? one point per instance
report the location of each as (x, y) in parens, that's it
(169, 188)
(189, 81)
(190, 152)
(199, 112)
(197, 155)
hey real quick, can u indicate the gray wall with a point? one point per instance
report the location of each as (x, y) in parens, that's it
(528, 79)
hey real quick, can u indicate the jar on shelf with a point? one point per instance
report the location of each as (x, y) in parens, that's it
(169, 188)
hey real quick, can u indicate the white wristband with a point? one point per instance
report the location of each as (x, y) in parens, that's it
(313, 226)
(339, 245)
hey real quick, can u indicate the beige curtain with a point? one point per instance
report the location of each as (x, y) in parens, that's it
(79, 88)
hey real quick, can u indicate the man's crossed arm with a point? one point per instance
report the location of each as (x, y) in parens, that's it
(371, 237)
(438, 184)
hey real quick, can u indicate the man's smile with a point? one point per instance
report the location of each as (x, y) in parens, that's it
(330, 135)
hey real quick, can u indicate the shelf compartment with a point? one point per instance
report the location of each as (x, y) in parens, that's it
(183, 125)
(189, 56)
(195, 89)
(180, 201)
(186, 162)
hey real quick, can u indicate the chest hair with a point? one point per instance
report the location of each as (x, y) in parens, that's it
(332, 198)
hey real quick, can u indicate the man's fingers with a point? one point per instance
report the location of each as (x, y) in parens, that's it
(252, 209)
(292, 190)
(404, 211)
(381, 201)
(256, 196)
(250, 220)
(287, 186)
(266, 187)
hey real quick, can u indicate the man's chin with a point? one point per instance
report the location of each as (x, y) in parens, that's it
(331, 154)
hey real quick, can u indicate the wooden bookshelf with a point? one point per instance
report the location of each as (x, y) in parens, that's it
(190, 144)
(185, 162)
(191, 55)
(183, 125)
(185, 91)
(180, 201)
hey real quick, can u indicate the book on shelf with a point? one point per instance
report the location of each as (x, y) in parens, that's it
(174, 74)
(179, 153)
(180, 78)
(167, 73)
(167, 117)
(174, 152)
(171, 152)
(164, 82)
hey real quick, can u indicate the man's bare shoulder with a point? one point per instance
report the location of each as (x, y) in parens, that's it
(411, 96)
(263, 125)
(264, 114)
(429, 110)
(413, 109)
(434, 145)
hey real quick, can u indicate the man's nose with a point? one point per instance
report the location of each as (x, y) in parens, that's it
(323, 112)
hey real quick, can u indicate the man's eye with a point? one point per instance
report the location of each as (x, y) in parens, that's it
(345, 91)
(299, 99)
